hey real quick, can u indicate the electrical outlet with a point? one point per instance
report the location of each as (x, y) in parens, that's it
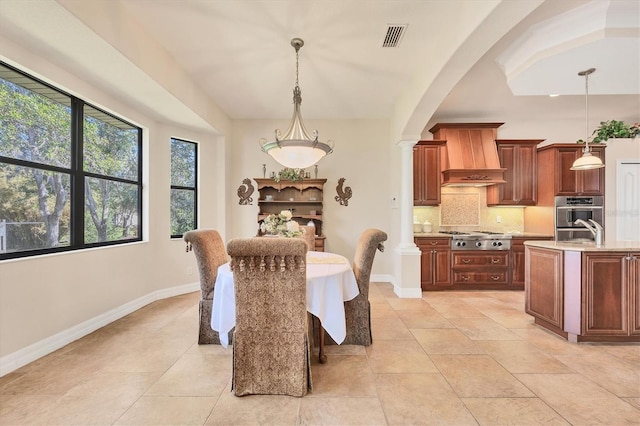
(189, 270)
(498, 219)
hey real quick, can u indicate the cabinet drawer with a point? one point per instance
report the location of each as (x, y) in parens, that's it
(427, 243)
(461, 277)
(465, 259)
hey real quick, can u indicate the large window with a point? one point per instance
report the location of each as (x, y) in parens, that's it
(184, 190)
(70, 174)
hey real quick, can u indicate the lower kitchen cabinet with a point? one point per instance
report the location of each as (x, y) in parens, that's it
(435, 262)
(544, 288)
(590, 296)
(480, 270)
(611, 288)
(517, 260)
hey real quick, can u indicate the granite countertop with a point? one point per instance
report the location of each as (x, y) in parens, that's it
(622, 246)
(514, 235)
(431, 235)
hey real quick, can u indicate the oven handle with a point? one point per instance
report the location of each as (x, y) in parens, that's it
(579, 208)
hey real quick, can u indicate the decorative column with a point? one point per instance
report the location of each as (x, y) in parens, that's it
(406, 195)
(408, 254)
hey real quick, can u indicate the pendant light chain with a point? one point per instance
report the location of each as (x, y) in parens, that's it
(586, 73)
(586, 111)
(297, 61)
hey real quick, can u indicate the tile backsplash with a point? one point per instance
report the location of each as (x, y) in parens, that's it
(465, 209)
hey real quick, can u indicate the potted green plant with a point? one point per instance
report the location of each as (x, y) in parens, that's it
(289, 173)
(614, 129)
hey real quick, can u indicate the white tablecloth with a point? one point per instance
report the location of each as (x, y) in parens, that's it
(330, 282)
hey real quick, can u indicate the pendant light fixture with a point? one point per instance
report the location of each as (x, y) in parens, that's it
(587, 161)
(296, 149)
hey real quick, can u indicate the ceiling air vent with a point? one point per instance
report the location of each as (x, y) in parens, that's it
(394, 35)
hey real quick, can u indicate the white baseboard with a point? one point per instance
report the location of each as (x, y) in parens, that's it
(24, 356)
(408, 293)
(382, 278)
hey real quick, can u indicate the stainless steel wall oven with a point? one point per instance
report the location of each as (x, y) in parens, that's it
(570, 209)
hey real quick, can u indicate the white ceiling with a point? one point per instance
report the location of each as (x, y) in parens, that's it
(237, 54)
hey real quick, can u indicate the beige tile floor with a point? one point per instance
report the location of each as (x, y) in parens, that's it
(453, 358)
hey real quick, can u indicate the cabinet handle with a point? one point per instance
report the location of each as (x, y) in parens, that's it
(434, 243)
(494, 260)
(495, 277)
(629, 258)
(465, 278)
(466, 260)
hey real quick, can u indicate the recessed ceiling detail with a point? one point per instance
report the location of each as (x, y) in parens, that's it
(592, 35)
(394, 35)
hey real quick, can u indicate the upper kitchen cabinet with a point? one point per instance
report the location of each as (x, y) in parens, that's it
(426, 172)
(555, 176)
(518, 157)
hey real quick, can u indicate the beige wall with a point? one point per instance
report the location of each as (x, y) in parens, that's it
(43, 296)
(357, 158)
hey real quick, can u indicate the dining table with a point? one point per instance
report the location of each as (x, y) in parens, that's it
(330, 282)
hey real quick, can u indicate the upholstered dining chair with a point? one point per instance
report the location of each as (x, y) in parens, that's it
(271, 352)
(358, 310)
(210, 253)
(308, 233)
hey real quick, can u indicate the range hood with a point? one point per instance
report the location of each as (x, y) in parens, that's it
(470, 157)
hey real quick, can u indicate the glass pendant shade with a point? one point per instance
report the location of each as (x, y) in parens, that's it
(587, 161)
(296, 149)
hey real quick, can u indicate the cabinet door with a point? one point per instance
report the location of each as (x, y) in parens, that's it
(605, 294)
(519, 157)
(442, 262)
(581, 182)
(505, 193)
(591, 182)
(517, 268)
(633, 272)
(426, 175)
(544, 286)
(566, 179)
(527, 192)
(435, 263)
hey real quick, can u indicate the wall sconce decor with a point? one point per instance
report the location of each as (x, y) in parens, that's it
(343, 194)
(244, 192)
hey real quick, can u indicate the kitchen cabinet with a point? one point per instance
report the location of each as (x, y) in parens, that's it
(585, 293)
(517, 259)
(519, 158)
(426, 172)
(435, 262)
(481, 270)
(544, 288)
(611, 288)
(556, 178)
(303, 198)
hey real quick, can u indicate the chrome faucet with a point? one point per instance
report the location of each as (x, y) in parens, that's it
(596, 229)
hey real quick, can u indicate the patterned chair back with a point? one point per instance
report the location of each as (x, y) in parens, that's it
(210, 254)
(271, 345)
(358, 310)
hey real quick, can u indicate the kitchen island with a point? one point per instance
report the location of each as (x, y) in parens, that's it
(584, 292)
